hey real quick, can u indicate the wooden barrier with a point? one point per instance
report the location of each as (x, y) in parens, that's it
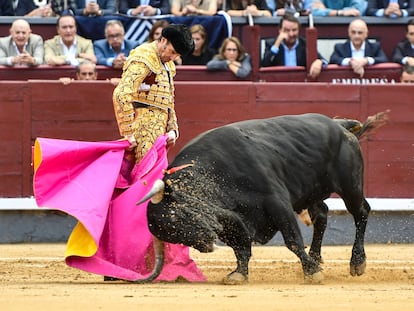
(381, 73)
(45, 72)
(33, 109)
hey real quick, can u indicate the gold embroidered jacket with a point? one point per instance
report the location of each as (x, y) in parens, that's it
(145, 80)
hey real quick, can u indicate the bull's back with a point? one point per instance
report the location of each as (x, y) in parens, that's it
(296, 149)
(266, 140)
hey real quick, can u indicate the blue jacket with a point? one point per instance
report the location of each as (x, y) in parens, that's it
(105, 54)
(6, 8)
(339, 5)
(372, 49)
(108, 7)
(25, 7)
(376, 6)
(163, 5)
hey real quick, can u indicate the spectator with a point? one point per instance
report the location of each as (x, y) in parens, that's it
(29, 8)
(390, 8)
(338, 7)
(59, 8)
(404, 51)
(282, 7)
(67, 48)
(289, 49)
(113, 50)
(357, 51)
(21, 47)
(95, 7)
(232, 56)
(156, 30)
(6, 8)
(193, 7)
(202, 54)
(144, 7)
(407, 74)
(244, 8)
(85, 71)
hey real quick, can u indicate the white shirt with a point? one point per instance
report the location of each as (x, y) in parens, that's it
(357, 54)
(70, 53)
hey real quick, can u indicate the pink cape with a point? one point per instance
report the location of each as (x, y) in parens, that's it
(83, 179)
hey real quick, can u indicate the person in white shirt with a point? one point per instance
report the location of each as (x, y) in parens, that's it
(67, 48)
(21, 47)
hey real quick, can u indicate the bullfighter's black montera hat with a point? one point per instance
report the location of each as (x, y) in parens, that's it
(180, 37)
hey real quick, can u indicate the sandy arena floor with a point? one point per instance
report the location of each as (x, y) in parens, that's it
(35, 277)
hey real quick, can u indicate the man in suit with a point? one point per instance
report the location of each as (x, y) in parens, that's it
(144, 7)
(67, 48)
(357, 52)
(21, 48)
(390, 8)
(95, 7)
(404, 51)
(113, 50)
(288, 49)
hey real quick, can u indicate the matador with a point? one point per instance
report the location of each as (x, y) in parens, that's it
(144, 98)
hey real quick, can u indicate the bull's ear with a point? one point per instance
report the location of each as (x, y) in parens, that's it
(155, 194)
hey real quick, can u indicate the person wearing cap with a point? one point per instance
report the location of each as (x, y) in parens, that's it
(144, 97)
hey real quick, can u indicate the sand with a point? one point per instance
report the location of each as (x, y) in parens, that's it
(35, 277)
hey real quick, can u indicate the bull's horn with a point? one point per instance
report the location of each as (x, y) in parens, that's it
(159, 261)
(156, 193)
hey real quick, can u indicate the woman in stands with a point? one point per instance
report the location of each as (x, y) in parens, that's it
(232, 56)
(202, 53)
(156, 30)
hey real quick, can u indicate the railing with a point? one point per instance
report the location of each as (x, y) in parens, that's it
(380, 73)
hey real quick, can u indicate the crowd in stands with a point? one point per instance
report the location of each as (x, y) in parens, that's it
(265, 8)
(287, 48)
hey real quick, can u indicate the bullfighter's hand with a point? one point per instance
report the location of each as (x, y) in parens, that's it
(132, 141)
(171, 137)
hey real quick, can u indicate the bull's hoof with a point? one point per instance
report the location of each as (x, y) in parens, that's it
(313, 279)
(358, 270)
(235, 278)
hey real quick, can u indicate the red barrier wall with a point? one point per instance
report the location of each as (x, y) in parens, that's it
(83, 111)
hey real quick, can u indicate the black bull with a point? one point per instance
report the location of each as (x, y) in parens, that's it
(247, 179)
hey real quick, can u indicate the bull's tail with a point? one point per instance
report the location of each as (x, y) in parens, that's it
(362, 130)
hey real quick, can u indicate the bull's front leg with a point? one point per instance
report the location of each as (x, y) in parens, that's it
(241, 274)
(236, 236)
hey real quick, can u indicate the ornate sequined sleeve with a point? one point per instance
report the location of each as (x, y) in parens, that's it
(125, 93)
